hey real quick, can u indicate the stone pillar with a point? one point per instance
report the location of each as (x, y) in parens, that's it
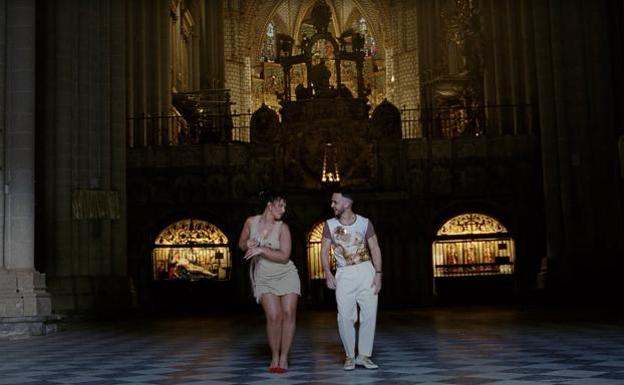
(576, 73)
(81, 145)
(24, 303)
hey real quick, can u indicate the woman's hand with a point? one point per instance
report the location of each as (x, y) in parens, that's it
(252, 252)
(252, 243)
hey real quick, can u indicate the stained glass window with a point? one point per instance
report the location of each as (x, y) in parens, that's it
(473, 244)
(370, 47)
(315, 266)
(267, 54)
(191, 249)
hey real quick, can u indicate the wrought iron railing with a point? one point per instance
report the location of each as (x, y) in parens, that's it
(451, 122)
(174, 130)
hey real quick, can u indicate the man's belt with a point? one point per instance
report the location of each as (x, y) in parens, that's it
(357, 258)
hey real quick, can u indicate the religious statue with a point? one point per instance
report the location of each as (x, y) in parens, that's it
(319, 76)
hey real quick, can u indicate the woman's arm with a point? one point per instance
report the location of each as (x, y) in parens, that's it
(243, 240)
(276, 255)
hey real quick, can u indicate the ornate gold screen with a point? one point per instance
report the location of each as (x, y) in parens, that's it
(315, 267)
(191, 249)
(473, 244)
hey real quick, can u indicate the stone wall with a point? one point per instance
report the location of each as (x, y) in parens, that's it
(81, 143)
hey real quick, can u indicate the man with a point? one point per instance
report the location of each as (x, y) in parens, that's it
(358, 277)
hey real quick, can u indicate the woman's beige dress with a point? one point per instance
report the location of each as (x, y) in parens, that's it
(268, 276)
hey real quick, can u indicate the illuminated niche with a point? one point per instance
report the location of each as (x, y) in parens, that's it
(191, 249)
(473, 245)
(315, 266)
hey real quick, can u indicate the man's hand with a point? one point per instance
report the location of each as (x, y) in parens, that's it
(330, 280)
(377, 283)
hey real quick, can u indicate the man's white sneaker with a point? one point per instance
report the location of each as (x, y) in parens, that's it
(349, 364)
(365, 362)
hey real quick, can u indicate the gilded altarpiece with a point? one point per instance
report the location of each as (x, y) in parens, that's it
(311, 125)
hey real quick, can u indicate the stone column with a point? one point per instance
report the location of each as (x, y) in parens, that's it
(82, 152)
(576, 73)
(24, 302)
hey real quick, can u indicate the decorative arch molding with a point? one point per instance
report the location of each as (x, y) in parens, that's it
(471, 224)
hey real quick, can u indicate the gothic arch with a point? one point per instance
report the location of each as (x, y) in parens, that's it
(308, 4)
(280, 24)
(257, 15)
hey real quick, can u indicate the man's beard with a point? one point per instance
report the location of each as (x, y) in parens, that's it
(338, 212)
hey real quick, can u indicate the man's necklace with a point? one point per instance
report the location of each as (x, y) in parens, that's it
(349, 222)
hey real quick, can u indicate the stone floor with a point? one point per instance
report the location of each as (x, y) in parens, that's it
(450, 345)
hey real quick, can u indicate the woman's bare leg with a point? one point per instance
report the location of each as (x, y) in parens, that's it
(273, 311)
(289, 317)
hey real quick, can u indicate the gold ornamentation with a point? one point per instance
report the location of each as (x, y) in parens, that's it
(473, 223)
(473, 244)
(315, 267)
(191, 249)
(191, 232)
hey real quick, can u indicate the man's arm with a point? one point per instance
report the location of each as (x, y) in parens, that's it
(330, 280)
(373, 246)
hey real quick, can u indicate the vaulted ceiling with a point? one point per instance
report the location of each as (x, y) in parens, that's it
(289, 15)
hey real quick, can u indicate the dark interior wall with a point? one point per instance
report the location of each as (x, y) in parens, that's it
(564, 60)
(80, 145)
(578, 64)
(429, 183)
(563, 202)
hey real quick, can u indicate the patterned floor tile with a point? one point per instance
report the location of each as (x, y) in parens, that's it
(450, 346)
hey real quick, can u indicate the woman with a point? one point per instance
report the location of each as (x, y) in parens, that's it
(266, 241)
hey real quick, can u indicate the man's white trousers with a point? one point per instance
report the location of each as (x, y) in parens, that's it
(353, 289)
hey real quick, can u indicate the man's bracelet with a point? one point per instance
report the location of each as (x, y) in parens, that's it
(378, 271)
